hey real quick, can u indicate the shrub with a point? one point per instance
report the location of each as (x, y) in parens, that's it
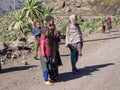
(63, 27)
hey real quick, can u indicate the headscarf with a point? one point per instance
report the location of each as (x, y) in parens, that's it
(73, 32)
(74, 36)
(72, 17)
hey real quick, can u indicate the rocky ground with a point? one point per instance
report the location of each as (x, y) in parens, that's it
(65, 7)
(99, 68)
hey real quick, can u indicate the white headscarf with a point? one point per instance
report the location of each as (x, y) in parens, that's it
(72, 32)
(72, 17)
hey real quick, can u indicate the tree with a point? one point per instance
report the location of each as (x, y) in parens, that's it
(33, 9)
(19, 23)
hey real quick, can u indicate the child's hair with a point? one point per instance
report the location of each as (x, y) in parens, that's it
(36, 22)
(48, 18)
(44, 29)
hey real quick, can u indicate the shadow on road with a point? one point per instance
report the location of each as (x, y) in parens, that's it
(63, 77)
(102, 39)
(13, 69)
(66, 55)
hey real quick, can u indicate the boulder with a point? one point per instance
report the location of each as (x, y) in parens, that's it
(68, 9)
(30, 39)
(2, 46)
(24, 62)
(60, 4)
(14, 45)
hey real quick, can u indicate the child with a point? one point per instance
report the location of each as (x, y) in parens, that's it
(109, 23)
(52, 30)
(36, 33)
(45, 55)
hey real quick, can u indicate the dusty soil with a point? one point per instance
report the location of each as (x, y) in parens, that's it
(99, 68)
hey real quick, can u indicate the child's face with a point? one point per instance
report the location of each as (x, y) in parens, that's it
(37, 24)
(46, 33)
(51, 22)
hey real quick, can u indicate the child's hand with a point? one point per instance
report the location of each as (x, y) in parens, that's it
(45, 60)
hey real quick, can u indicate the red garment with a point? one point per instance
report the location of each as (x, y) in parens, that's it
(109, 21)
(45, 49)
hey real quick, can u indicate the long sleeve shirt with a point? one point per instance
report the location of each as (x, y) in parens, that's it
(36, 32)
(45, 49)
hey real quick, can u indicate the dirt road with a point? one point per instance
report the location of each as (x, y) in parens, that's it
(99, 68)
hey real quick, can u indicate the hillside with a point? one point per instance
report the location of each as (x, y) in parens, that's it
(65, 7)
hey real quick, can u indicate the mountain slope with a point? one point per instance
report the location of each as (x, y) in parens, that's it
(65, 7)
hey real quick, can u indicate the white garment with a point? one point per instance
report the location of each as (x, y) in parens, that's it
(72, 35)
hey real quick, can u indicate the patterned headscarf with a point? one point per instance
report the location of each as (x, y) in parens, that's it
(72, 17)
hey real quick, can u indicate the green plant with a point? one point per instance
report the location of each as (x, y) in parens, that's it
(24, 19)
(47, 10)
(3, 31)
(63, 27)
(28, 28)
(5, 34)
(33, 9)
(1, 15)
(80, 20)
(116, 20)
(19, 23)
(93, 24)
(85, 25)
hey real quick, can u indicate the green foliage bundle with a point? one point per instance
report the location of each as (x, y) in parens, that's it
(33, 10)
(63, 27)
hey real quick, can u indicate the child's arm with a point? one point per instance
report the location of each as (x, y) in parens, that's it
(35, 33)
(45, 59)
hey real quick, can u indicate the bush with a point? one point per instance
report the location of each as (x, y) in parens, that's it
(5, 36)
(91, 25)
(63, 27)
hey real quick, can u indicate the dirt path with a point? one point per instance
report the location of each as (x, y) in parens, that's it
(99, 66)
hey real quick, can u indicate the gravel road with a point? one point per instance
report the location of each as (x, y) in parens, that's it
(99, 68)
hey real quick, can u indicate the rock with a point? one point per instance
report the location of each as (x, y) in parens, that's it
(68, 9)
(61, 4)
(30, 39)
(16, 83)
(78, 5)
(14, 45)
(39, 67)
(2, 46)
(2, 63)
(21, 44)
(15, 55)
(24, 62)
